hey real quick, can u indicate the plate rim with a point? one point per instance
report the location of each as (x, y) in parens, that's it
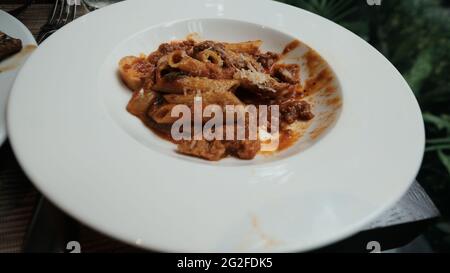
(350, 230)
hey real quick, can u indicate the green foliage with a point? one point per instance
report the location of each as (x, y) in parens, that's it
(420, 70)
(445, 159)
(439, 145)
(441, 123)
(333, 10)
(415, 36)
(345, 12)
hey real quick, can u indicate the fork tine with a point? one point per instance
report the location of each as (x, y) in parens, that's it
(45, 35)
(55, 8)
(50, 21)
(74, 11)
(61, 12)
(67, 13)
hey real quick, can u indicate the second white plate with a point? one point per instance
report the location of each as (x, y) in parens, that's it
(8, 68)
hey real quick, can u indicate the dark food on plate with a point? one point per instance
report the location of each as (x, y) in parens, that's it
(222, 74)
(8, 46)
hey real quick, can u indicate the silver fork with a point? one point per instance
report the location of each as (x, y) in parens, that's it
(64, 12)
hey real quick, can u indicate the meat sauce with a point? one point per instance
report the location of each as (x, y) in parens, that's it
(290, 47)
(292, 108)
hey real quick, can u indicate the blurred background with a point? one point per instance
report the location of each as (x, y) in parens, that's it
(415, 36)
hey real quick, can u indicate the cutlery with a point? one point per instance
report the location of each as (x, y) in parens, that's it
(64, 12)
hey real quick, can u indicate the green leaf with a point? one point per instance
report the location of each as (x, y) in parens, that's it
(334, 10)
(437, 148)
(439, 141)
(442, 122)
(445, 159)
(440, 94)
(420, 71)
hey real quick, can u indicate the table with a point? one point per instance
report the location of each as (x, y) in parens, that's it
(29, 223)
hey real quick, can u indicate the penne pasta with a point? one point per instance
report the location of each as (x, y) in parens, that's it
(184, 84)
(140, 102)
(211, 56)
(221, 99)
(162, 114)
(249, 47)
(162, 68)
(134, 70)
(233, 86)
(180, 60)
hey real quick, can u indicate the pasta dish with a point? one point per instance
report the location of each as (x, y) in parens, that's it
(219, 74)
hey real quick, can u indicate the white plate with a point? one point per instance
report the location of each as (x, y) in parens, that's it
(72, 135)
(14, 28)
